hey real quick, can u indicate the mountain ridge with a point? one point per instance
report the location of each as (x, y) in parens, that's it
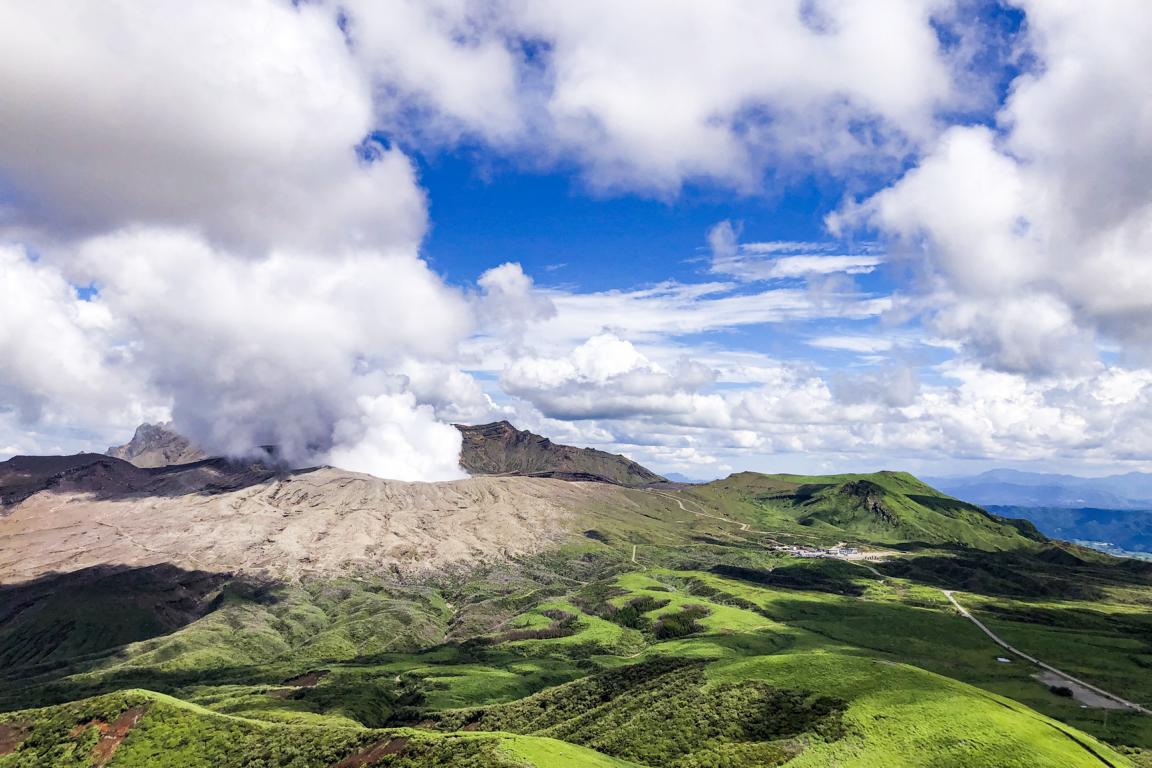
(1009, 487)
(157, 445)
(500, 448)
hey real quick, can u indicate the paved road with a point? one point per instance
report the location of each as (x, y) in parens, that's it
(996, 638)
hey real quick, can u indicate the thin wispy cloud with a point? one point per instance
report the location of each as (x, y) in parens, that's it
(784, 259)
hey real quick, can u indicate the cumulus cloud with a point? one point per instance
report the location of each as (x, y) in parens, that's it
(272, 351)
(59, 352)
(445, 62)
(241, 119)
(1036, 235)
(648, 96)
(604, 377)
(804, 420)
(509, 302)
(251, 257)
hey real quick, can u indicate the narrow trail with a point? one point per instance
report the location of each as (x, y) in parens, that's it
(637, 562)
(870, 568)
(1013, 650)
(743, 526)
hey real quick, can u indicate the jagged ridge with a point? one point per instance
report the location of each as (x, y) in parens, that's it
(501, 449)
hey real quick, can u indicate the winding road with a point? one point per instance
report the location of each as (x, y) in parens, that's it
(1013, 650)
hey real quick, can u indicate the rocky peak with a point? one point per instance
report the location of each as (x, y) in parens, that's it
(157, 445)
(499, 448)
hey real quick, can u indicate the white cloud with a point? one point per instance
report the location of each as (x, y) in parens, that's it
(887, 417)
(861, 344)
(239, 119)
(781, 260)
(672, 309)
(605, 377)
(284, 350)
(442, 56)
(510, 302)
(647, 95)
(1036, 236)
(59, 352)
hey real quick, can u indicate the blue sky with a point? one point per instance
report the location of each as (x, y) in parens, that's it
(798, 236)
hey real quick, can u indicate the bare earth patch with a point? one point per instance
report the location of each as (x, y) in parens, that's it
(111, 734)
(307, 680)
(11, 735)
(324, 521)
(1079, 693)
(373, 753)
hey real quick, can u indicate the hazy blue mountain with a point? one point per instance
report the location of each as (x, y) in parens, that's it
(1008, 487)
(1123, 529)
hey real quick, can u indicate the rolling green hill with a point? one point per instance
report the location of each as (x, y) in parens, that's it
(882, 507)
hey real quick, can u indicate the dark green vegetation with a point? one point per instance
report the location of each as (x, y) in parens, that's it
(501, 449)
(674, 633)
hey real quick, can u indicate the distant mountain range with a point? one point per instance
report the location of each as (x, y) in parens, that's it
(1112, 513)
(1009, 487)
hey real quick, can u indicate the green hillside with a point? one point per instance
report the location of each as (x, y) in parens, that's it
(675, 630)
(881, 507)
(142, 729)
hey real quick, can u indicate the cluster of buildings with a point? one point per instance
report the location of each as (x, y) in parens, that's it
(838, 552)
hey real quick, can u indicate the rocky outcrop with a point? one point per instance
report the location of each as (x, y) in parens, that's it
(157, 445)
(870, 497)
(501, 449)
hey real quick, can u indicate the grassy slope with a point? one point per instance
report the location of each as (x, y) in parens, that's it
(396, 655)
(882, 507)
(170, 733)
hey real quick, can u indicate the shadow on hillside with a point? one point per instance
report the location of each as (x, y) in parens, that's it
(48, 690)
(108, 478)
(62, 622)
(1050, 573)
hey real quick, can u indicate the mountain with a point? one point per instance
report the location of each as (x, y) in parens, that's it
(488, 449)
(157, 445)
(887, 507)
(1007, 487)
(232, 614)
(501, 449)
(224, 516)
(1123, 529)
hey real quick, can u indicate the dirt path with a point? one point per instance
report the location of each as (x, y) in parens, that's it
(642, 566)
(870, 568)
(743, 526)
(1011, 649)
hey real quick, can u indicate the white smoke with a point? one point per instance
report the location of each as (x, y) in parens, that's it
(249, 261)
